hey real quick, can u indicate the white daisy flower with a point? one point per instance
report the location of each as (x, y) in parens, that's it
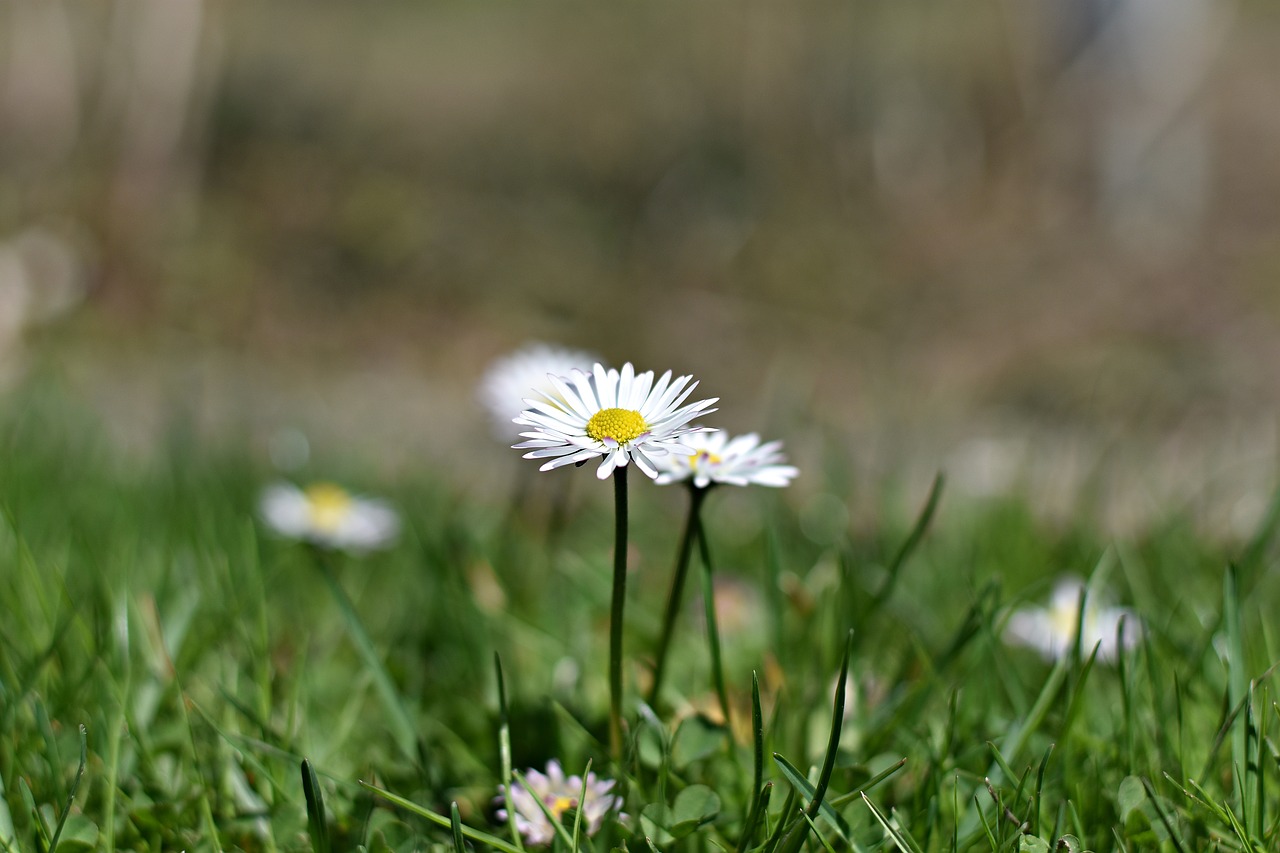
(513, 377)
(717, 458)
(619, 415)
(1051, 630)
(328, 515)
(558, 794)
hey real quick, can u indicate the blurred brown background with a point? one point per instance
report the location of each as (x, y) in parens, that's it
(1036, 244)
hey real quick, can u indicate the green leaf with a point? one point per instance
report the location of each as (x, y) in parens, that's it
(654, 819)
(1031, 844)
(694, 806)
(1130, 797)
(696, 739)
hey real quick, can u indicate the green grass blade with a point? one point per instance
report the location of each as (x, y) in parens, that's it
(75, 786)
(871, 783)
(755, 816)
(582, 802)
(889, 828)
(1237, 684)
(796, 837)
(806, 792)
(440, 820)
(1174, 836)
(455, 823)
(504, 748)
(912, 541)
(317, 823)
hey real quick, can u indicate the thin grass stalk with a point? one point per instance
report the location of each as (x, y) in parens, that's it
(674, 597)
(615, 614)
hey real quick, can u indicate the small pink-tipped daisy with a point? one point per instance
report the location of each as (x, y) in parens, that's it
(329, 515)
(717, 458)
(558, 794)
(513, 377)
(619, 415)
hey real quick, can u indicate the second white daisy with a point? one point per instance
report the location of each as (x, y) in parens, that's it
(1051, 630)
(513, 377)
(717, 458)
(329, 515)
(618, 415)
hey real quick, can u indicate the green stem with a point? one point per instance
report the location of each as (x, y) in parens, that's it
(696, 496)
(713, 632)
(615, 615)
(399, 717)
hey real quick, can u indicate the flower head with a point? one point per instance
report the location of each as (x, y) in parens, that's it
(1052, 630)
(328, 515)
(717, 458)
(513, 377)
(558, 794)
(618, 415)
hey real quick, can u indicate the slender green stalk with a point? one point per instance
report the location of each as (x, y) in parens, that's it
(696, 497)
(615, 613)
(399, 717)
(713, 631)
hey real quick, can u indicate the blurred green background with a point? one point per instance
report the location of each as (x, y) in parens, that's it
(1034, 244)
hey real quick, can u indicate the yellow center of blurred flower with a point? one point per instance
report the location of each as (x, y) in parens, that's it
(327, 506)
(621, 425)
(559, 806)
(704, 457)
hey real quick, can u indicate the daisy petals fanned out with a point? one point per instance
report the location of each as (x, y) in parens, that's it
(619, 415)
(328, 515)
(718, 458)
(558, 794)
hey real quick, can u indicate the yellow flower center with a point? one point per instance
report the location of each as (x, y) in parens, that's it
(621, 425)
(327, 506)
(559, 806)
(704, 457)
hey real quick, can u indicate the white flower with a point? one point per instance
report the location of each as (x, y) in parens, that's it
(716, 458)
(513, 377)
(620, 416)
(559, 795)
(1052, 630)
(329, 515)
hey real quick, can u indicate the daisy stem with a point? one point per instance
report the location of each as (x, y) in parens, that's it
(400, 719)
(696, 496)
(713, 631)
(615, 615)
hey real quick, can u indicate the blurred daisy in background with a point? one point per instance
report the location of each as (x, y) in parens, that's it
(43, 275)
(718, 458)
(521, 374)
(1051, 630)
(618, 415)
(328, 515)
(558, 794)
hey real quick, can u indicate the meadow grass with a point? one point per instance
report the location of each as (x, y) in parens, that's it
(166, 667)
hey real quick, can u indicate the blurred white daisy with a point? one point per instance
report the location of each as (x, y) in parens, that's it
(717, 458)
(1051, 630)
(515, 376)
(619, 415)
(558, 794)
(329, 515)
